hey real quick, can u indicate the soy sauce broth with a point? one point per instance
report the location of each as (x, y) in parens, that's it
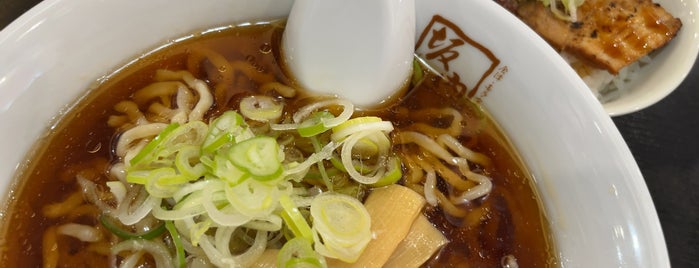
(507, 221)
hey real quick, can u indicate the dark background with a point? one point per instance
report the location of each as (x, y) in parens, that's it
(663, 138)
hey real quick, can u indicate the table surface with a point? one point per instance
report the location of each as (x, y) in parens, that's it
(663, 138)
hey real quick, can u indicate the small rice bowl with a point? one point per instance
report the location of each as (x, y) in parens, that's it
(605, 86)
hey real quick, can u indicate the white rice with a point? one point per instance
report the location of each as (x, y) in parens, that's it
(606, 86)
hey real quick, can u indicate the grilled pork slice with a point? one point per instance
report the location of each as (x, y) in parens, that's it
(609, 34)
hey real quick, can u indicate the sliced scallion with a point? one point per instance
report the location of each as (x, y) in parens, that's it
(341, 226)
(294, 220)
(153, 145)
(177, 240)
(314, 124)
(261, 108)
(392, 175)
(298, 252)
(257, 156)
(115, 228)
(222, 131)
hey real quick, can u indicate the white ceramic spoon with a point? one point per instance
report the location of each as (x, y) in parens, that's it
(360, 50)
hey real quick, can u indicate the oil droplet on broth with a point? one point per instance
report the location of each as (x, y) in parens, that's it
(93, 148)
(250, 58)
(265, 48)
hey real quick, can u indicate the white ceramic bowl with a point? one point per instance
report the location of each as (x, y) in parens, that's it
(668, 68)
(597, 203)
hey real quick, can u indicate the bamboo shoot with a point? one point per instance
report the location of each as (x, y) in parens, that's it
(393, 210)
(419, 245)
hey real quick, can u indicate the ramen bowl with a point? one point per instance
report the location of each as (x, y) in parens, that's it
(595, 200)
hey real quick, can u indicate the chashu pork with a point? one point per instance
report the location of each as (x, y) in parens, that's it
(609, 34)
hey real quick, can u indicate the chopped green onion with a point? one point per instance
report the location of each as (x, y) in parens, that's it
(371, 145)
(218, 210)
(160, 176)
(222, 131)
(177, 240)
(298, 252)
(154, 144)
(253, 198)
(314, 124)
(340, 131)
(109, 223)
(163, 182)
(258, 156)
(160, 151)
(569, 12)
(376, 171)
(341, 225)
(138, 176)
(321, 167)
(261, 108)
(393, 174)
(348, 109)
(183, 161)
(294, 220)
(168, 176)
(224, 169)
(201, 177)
(198, 230)
(337, 163)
